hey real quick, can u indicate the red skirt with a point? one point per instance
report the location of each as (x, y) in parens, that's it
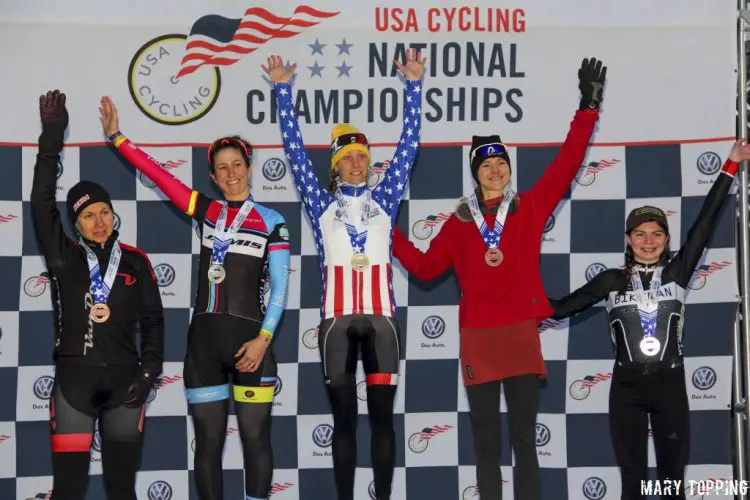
(490, 354)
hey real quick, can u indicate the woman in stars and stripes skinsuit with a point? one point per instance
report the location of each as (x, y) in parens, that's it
(352, 226)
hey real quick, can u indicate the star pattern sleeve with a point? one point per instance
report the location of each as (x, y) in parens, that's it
(314, 199)
(389, 192)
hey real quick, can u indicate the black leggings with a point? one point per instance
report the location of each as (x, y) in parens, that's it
(522, 398)
(209, 368)
(81, 395)
(633, 397)
(341, 340)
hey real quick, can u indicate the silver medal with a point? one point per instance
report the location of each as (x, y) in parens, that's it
(650, 346)
(216, 273)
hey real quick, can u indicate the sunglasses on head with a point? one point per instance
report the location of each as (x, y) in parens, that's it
(493, 149)
(345, 139)
(230, 142)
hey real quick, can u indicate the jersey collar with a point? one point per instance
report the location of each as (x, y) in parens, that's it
(350, 190)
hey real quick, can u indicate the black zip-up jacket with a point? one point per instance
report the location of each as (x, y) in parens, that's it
(624, 319)
(134, 300)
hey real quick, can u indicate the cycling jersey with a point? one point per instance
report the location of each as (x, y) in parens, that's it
(260, 246)
(134, 297)
(624, 318)
(345, 290)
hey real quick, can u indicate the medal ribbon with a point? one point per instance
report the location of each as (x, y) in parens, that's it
(357, 240)
(648, 302)
(100, 288)
(222, 238)
(491, 238)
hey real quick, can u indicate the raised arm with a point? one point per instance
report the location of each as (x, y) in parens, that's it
(586, 296)
(184, 198)
(399, 170)
(682, 266)
(425, 266)
(550, 188)
(302, 169)
(55, 245)
(279, 252)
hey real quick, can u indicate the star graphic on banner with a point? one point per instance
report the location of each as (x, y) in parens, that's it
(344, 69)
(316, 70)
(317, 47)
(344, 47)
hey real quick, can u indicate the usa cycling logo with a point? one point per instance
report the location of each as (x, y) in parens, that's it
(423, 228)
(36, 285)
(708, 163)
(594, 488)
(704, 378)
(580, 389)
(160, 490)
(587, 175)
(43, 387)
(433, 327)
(376, 172)
(701, 274)
(323, 435)
(310, 338)
(164, 274)
(419, 440)
(593, 270)
(542, 434)
(274, 169)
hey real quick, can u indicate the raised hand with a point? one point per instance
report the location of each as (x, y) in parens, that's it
(414, 67)
(740, 151)
(109, 118)
(276, 71)
(52, 109)
(591, 78)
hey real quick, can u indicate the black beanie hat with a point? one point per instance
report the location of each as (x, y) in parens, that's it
(84, 194)
(483, 147)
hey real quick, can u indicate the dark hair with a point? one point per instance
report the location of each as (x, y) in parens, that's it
(234, 142)
(333, 178)
(630, 262)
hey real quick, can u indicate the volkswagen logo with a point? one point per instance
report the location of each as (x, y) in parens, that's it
(550, 224)
(594, 488)
(704, 378)
(164, 274)
(160, 490)
(433, 327)
(43, 387)
(274, 169)
(115, 221)
(371, 491)
(708, 163)
(96, 443)
(60, 169)
(542, 434)
(593, 270)
(277, 386)
(322, 435)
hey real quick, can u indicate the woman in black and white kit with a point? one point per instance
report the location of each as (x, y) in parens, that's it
(648, 378)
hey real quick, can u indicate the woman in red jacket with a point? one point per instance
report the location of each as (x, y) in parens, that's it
(502, 296)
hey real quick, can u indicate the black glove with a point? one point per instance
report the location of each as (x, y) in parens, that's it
(139, 390)
(591, 77)
(54, 117)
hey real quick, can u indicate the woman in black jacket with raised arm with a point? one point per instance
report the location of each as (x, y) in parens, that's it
(101, 289)
(645, 302)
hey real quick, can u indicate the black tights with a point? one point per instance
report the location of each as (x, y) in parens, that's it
(633, 397)
(210, 423)
(522, 398)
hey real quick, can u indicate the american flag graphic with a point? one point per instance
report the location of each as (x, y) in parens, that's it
(278, 488)
(598, 166)
(170, 164)
(592, 380)
(548, 323)
(707, 269)
(434, 220)
(7, 218)
(379, 168)
(219, 41)
(430, 432)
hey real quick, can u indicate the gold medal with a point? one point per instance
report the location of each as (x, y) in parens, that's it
(493, 257)
(360, 262)
(99, 313)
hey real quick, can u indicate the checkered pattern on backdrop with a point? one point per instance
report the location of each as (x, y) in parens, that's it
(435, 454)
